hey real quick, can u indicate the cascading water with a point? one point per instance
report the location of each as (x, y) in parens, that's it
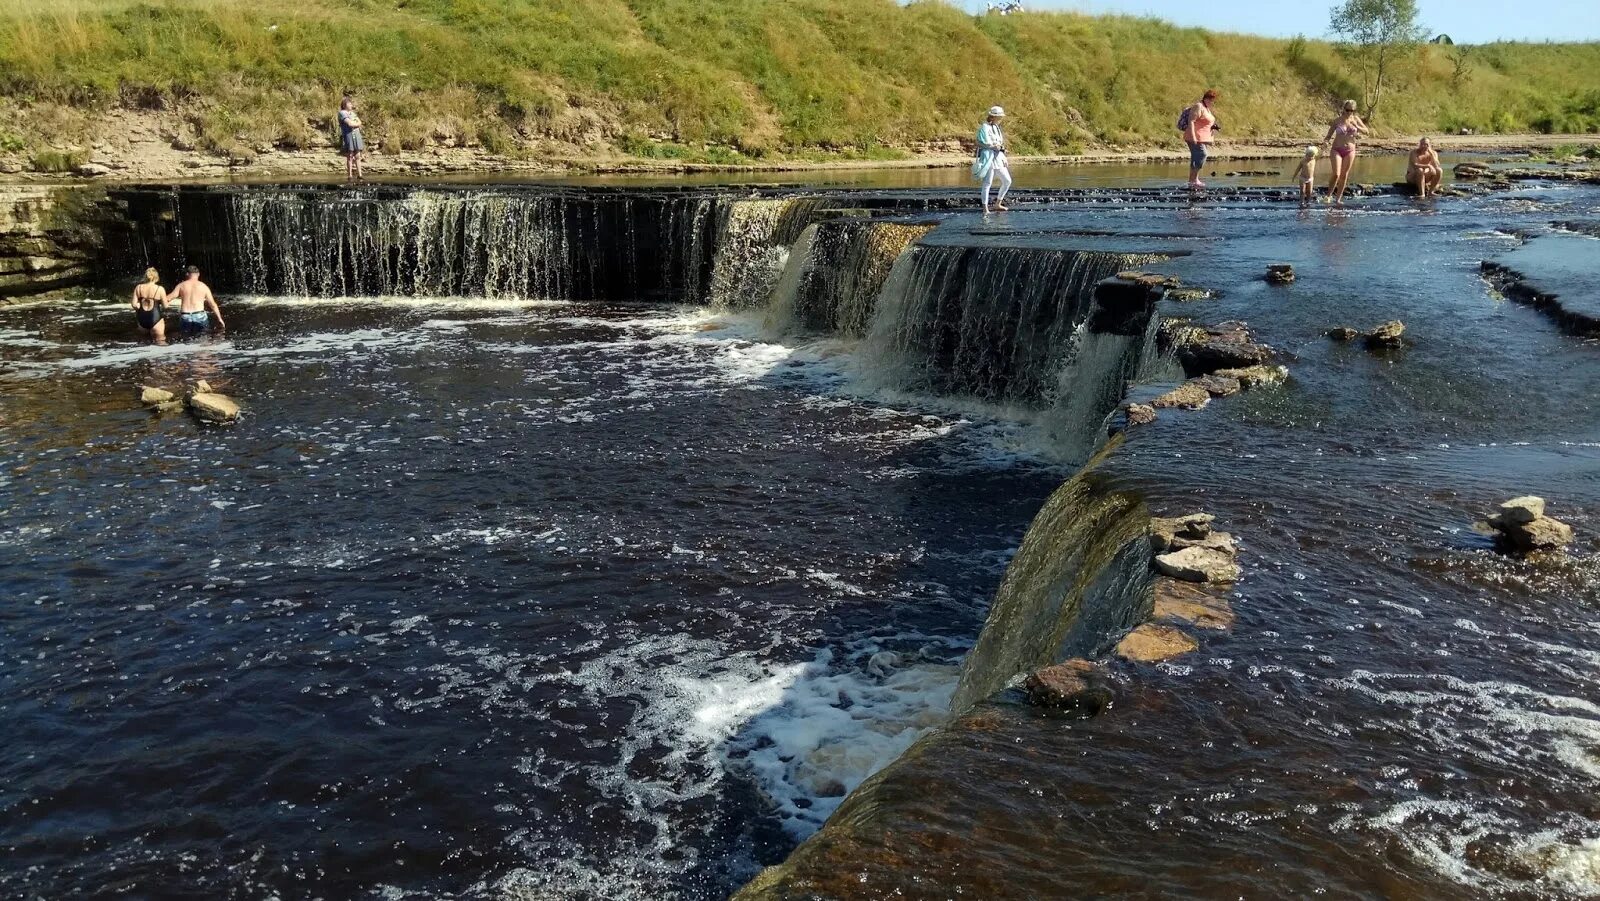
(753, 245)
(436, 242)
(835, 273)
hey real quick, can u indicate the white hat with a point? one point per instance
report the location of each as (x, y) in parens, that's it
(996, 112)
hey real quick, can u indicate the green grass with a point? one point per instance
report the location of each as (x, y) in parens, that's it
(717, 80)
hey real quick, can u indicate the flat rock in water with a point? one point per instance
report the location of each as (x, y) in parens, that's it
(1187, 396)
(1256, 376)
(1557, 273)
(1153, 643)
(1521, 510)
(155, 397)
(1198, 564)
(1221, 542)
(214, 407)
(1076, 685)
(1187, 603)
(1218, 385)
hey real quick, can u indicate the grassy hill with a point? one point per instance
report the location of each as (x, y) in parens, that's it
(713, 79)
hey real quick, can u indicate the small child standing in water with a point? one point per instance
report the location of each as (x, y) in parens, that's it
(1306, 174)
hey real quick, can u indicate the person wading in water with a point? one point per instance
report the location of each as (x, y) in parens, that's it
(351, 143)
(990, 164)
(150, 305)
(197, 304)
(1197, 123)
(1342, 135)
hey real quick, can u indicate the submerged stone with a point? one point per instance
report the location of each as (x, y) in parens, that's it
(1153, 643)
(1189, 603)
(1343, 333)
(1280, 273)
(1077, 685)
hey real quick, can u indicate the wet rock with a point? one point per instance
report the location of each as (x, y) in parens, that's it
(1198, 564)
(1166, 531)
(1187, 396)
(1140, 414)
(1344, 333)
(1386, 335)
(213, 407)
(1188, 603)
(1256, 376)
(1185, 295)
(1203, 350)
(1153, 643)
(1280, 274)
(94, 170)
(1077, 685)
(1522, 527)
(152, 397)
(202, 387)
(1217, 385)
(1221, 542)
(1522, 510)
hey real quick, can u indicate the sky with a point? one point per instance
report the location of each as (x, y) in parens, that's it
(1466, 21)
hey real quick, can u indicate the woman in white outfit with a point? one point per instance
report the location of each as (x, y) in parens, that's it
(990, 166)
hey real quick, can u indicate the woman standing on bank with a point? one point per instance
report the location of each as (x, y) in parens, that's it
(990, 165)
(351, 143)
(1342, 135)
(150, 305)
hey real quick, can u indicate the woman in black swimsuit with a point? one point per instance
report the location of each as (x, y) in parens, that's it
(150, 305)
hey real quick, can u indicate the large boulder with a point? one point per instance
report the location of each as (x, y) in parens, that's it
(1199, 564)
(1153, 643)
(1077, 685)
(214, 407)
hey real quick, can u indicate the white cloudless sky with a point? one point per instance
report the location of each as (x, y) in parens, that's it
(1466, 21)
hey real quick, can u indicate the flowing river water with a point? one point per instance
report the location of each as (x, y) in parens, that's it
(576, 566)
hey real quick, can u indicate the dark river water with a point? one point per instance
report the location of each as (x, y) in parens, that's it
(525, 599)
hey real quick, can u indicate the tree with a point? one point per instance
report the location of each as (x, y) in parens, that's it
(1461, 66)
(1379, 35)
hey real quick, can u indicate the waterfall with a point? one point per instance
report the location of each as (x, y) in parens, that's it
(601, 245)
(835, 273)
(753, 245)
(998, 323)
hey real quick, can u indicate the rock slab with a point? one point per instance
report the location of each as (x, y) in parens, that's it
(1188, 396)
(214, 407)
(1199, 564)
(155, 397)
(1153, 643)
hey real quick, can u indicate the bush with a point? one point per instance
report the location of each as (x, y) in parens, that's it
(59, 160)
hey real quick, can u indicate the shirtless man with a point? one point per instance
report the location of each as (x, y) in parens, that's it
(1425, 171)
(197, 304)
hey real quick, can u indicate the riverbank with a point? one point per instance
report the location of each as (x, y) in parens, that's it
(148, 149)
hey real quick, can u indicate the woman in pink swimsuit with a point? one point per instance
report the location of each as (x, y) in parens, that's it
(1342, 135)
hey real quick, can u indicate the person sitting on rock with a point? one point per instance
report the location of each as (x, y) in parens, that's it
(150, 305)
(1425, 171)
(197, 304)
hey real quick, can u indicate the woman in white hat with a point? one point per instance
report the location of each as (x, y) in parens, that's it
(990, 166)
